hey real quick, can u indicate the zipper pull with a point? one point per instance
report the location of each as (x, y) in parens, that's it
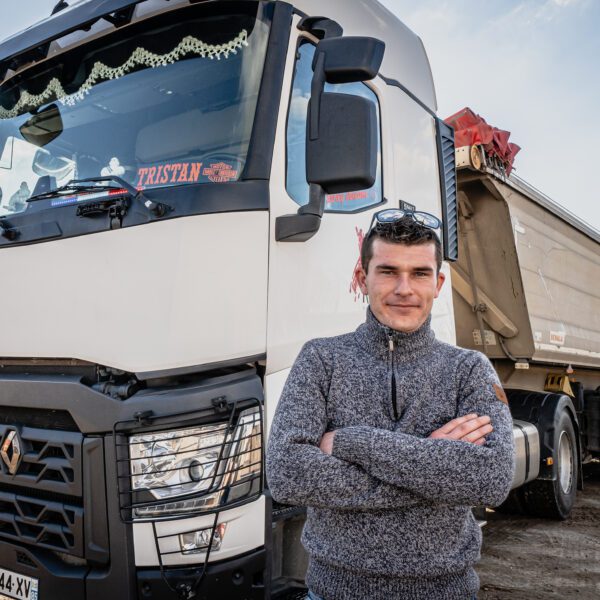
(391, 343)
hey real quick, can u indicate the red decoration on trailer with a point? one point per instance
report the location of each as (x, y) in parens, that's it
(471, 129)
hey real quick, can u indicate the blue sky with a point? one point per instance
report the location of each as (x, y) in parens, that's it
(531, 67)
(528, 66)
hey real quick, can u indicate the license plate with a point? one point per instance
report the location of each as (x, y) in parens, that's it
(17, 587)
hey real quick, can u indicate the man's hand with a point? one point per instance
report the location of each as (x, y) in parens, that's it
(469, 428)
(326, 444)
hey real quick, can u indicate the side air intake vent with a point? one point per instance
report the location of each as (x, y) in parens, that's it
(447, 167)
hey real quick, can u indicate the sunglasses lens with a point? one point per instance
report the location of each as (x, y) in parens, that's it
(389, 216)
(427, 220)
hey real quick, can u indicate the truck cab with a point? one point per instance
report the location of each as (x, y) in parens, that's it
(185, 189)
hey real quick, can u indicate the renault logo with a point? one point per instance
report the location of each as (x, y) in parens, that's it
(11, 452)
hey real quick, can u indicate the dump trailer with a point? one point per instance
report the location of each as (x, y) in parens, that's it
(186, 185)
(526, 290)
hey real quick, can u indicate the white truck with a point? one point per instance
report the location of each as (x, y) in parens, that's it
(185, 188)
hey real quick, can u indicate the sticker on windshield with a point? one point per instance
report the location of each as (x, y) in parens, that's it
(217, 169)
(220, 172)
(114, 167)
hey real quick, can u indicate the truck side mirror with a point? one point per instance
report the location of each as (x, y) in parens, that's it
(343, 158)
(341, 140)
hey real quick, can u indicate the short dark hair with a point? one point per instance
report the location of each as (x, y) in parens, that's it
(404, 231)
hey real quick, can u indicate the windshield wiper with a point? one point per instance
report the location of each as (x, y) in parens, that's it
(79, 185)
(101, 183)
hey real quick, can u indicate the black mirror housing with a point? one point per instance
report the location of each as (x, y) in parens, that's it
(351, 59)
(344, 156)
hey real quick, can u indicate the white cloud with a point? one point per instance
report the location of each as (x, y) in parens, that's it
(528, 12)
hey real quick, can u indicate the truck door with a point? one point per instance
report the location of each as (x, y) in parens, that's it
(311, 291)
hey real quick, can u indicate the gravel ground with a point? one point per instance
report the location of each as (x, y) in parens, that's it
(538, 559)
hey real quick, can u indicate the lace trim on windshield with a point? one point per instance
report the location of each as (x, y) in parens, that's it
(139, 57)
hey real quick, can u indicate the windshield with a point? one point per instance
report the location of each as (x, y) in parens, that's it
(165, 102)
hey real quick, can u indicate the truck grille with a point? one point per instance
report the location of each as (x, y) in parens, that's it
(54, 525)
(41, 488)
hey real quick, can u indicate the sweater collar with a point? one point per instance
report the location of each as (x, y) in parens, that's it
(376, 337)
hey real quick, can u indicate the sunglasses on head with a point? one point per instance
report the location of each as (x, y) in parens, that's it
(391, 215)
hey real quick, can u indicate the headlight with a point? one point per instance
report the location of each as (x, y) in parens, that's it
(204, 462)
(176, 462)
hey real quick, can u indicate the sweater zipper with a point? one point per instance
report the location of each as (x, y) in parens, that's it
(393, 390)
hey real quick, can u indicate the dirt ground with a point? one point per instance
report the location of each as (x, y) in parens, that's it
(537, 559)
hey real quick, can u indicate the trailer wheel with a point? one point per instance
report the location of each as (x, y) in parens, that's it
(555, 499)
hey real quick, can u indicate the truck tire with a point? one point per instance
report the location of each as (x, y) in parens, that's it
(555, 499)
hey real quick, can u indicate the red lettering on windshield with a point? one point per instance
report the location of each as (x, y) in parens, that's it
(174, 168)
(141, 174)
(150, 178)
(183, 174)
(195, 172)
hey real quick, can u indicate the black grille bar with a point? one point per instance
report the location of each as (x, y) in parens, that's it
(41, 501)
(51, 461)
(46, 524)
(39, 419)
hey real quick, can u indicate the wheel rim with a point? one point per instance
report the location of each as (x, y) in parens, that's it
(565, 462)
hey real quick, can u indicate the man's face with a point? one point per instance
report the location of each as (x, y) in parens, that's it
(401, 283)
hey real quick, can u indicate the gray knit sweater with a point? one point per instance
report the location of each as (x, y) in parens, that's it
(389, 512)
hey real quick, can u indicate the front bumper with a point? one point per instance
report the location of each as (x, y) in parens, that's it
(64, 521)
(242, 578)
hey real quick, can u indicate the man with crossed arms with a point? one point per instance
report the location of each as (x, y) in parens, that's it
(389, 436)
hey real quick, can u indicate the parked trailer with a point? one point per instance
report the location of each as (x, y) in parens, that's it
(527, 293)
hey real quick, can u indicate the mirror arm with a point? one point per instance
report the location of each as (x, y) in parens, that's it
(316, 202)
(302, 225)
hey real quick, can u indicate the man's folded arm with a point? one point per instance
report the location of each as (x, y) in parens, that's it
(442, 470)
(298, 472)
